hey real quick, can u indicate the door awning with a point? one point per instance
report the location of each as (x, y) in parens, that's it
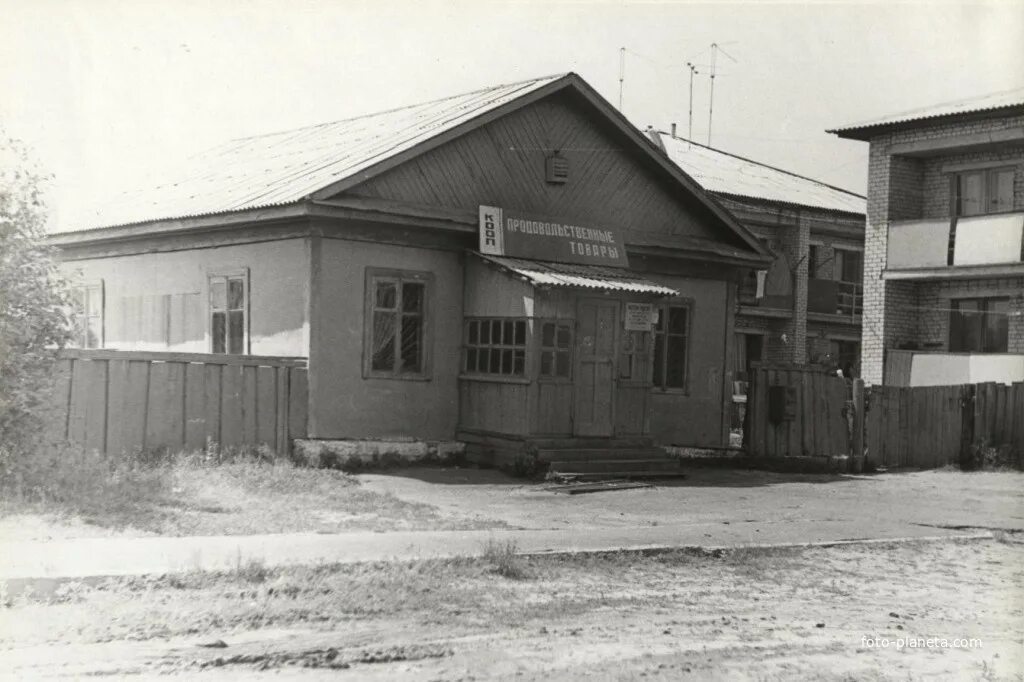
(569, 275)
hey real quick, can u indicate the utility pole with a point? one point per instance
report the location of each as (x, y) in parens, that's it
(622, 73)
(693, 72)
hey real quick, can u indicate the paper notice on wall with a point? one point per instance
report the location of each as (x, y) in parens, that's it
(640, 317)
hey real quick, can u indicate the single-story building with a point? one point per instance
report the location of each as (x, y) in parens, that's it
(499, 267)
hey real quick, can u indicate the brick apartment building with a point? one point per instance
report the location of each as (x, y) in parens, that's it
(944, 261)
(807, 306)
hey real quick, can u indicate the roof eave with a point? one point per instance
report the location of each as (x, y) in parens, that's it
(867, 131)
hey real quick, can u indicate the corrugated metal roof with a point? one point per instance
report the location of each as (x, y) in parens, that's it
(584, 276)
(285, 167)
(719, 172)
(996, 100)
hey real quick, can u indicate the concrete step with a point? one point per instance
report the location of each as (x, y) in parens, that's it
(591, 442)
(603, 476)
(579, 454)
(614, 465)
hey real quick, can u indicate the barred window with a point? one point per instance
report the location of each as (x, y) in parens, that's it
(495, 346)
(556, 349)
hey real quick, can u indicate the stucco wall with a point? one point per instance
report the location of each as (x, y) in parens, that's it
(694, 417)
(342, 403)
(158, 301)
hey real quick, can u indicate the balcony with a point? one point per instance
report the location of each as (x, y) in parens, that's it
(978, 246)
(936, 368)
(830, 297)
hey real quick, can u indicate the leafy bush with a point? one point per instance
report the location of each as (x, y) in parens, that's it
(34, 323)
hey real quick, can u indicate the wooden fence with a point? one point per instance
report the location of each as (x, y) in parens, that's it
(915, 426)
(999, 415)
(796, 411)
(122, 401)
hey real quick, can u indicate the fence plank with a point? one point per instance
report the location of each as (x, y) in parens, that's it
(298, 392)
(281, 411)
(117, 395)
(231, 400)
(212, 403)
(249, 405)
(195, 406)
(266, 405)
(165, 413)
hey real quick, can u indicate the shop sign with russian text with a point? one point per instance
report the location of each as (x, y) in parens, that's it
(505, 233)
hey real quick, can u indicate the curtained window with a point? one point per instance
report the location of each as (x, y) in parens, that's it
(396, 324)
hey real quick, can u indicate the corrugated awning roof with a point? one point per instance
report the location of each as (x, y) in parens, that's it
(285, 167)
(997, 100)
(722, 173)
(579, 276)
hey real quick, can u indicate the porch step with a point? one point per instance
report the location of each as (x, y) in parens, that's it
(599, 476)
(600, 454)
(616, 466)
(582, 442)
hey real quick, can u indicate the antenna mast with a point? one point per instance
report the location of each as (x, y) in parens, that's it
(693, 72)
(715, 49)
(622, 73)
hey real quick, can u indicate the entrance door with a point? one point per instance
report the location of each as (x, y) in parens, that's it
(596, 323)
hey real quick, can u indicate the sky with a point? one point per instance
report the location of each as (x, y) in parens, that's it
(105, 92)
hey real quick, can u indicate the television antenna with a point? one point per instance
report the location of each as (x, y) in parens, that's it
(715, 49)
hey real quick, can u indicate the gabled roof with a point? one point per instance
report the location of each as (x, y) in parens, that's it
(1004, 102)
(579, 276)
(302, 166)
(722, 173)
(285, 167)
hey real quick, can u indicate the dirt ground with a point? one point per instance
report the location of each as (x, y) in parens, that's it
(708, 495)
(746, 615)
(243, 500)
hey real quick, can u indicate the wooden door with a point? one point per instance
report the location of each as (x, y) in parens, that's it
(594, 395)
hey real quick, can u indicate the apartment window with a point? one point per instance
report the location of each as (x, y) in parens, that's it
(396, 324)
(229, 306)
(812, 261)
(849, 266)
(87, 311)
(671, 334)
(556, 349)
(979, 325)
(983, 191)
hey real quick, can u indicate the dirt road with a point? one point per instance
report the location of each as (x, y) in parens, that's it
(759, 615)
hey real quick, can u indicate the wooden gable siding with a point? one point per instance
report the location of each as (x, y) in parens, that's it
(502, 164)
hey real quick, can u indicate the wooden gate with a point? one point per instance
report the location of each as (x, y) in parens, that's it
(123, 401)
(796, 411)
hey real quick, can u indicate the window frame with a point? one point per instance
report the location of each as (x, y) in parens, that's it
(228, 274)
(372, 275)
(984, 301)
(81, 318)
(490, 346)
(989, 185)
(568, 323)
(663, 313)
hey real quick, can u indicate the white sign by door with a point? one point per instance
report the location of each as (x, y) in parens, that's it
(639, 317)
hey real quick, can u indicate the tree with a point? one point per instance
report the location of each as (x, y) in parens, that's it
(34, 322)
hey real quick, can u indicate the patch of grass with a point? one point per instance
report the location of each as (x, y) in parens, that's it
(504, 560)
(214, 491)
